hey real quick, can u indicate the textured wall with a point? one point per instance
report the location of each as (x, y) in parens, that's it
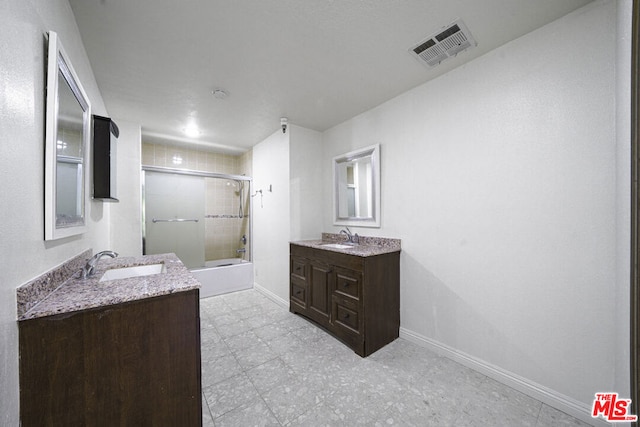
(305, 183)
(500, 179)
(23, 252)
(126, 215)
(271, 215)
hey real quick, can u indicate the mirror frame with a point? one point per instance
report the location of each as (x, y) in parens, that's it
(374, 220)
(58, 62)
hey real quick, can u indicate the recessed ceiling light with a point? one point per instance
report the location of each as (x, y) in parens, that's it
(220, 94)
(192, 130)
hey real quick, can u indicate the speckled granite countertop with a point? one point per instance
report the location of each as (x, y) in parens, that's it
(77, 294)
(368, 246)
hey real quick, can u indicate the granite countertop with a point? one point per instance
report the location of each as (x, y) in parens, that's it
(368, 246)
(77, 294)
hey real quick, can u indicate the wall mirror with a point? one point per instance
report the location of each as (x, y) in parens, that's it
(67, 134)
(356, 187)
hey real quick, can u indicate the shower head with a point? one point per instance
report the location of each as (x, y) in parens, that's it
(236, 184)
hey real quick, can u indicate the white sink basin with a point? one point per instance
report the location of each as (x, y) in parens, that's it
(135, 271)
(337, 246)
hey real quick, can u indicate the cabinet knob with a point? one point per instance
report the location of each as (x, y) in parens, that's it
(298, 292)
(345, 285)
(345, 316)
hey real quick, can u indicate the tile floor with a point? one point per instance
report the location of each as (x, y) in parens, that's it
(263, 366)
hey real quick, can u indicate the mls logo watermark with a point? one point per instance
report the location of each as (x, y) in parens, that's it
(611, 408)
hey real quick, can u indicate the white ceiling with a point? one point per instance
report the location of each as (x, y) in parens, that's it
(317, 62)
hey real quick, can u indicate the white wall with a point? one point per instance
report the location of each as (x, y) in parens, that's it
(306, 185)
(500, 179)
(623, 199)
(126, 215)
(291, 164)
(271, 221)
(23, 252)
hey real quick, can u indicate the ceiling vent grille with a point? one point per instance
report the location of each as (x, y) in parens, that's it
(447, 42)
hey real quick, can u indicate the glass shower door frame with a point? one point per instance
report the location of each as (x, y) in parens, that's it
(247, 180)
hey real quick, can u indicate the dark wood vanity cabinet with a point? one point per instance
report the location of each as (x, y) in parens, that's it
(355, 298)
(135, 363)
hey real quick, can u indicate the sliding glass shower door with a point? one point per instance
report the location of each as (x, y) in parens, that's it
(173, 212)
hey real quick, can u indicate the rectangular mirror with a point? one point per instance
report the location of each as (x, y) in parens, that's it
(356, 187)
(66, 137)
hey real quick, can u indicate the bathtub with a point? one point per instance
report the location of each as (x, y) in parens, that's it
(223, 276)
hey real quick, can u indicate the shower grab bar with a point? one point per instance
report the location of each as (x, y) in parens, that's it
(173, 220)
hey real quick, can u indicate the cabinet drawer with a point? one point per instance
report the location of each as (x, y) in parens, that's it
(348, 283)
(298, 294)
(346, 314)
(298, 269)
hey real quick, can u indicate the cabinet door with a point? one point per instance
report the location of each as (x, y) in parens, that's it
(131, 364)
(320, 275)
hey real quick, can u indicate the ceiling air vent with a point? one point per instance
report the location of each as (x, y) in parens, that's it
(447, 42)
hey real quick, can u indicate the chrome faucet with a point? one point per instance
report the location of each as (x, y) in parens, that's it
(88, 268)
(351, 238)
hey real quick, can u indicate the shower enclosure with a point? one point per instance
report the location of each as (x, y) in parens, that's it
(204, 218)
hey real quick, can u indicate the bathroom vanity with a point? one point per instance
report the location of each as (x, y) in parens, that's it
(353, 292)
(124, 351)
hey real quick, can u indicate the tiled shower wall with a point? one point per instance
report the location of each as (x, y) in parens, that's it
(223, 228)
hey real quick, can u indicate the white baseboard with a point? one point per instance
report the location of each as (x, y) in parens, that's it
(550, 397)
(273, 297)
